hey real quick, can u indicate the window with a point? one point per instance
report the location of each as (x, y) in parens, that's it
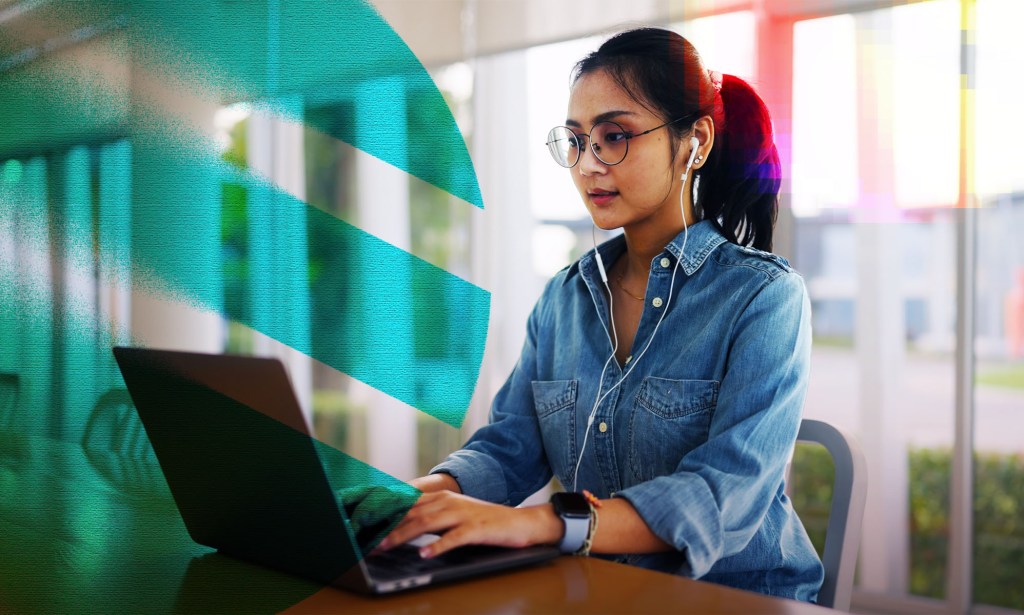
(65, 265)
(875, 242)
(999, 311)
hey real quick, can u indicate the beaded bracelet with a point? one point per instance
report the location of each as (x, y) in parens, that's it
(591, 530)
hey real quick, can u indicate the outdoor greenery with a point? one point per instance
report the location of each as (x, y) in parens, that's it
(998, 518)
(339, 422)
(998, 525)
(810, 484)
(1009, 376)
(833, 341)
(235, 244)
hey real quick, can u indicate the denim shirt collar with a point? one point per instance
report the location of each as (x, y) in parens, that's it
(703, 239)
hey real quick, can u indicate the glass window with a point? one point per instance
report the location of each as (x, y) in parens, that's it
(563, 230)
(999, 310)
(824, 115)
(926, 109)
(726, 42)
(874, 178)
(64, 268)
(433, 225)
(231, 126)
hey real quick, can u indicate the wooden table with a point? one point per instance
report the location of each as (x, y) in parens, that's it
(93, 532)
(567, 585)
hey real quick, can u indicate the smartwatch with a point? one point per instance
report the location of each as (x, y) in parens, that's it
(574, 510)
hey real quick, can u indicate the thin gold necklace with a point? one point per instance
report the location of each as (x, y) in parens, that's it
(625, 290)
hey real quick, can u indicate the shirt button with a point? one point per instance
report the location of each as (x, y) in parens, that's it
(657, 302)
(665, 262)
(603, 427)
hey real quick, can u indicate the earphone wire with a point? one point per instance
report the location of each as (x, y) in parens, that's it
(611, 317)
(615, 348)
(604, 278)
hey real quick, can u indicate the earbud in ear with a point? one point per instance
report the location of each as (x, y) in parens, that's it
(694, 144)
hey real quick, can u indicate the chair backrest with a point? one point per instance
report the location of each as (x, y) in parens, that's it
(114, 427)
(842, 538)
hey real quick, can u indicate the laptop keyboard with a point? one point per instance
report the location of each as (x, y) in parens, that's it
(402, 561)
(406, 560)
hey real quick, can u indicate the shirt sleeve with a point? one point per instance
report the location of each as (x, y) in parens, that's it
(720, 492)
(504, 462)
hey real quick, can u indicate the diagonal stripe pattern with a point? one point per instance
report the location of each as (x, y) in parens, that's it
(161, 184)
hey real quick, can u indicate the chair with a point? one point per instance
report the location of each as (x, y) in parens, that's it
(116, 445)
(842, 537)
(114, 427)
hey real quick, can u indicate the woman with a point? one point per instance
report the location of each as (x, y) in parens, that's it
(670, 387)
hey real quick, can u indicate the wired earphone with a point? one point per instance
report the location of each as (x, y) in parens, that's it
(694, 144)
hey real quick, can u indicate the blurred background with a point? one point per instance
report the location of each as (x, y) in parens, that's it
(898, 126)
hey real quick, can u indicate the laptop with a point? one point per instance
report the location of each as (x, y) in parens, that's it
(249, 479)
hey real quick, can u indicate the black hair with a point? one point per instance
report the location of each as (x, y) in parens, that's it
(739, 183)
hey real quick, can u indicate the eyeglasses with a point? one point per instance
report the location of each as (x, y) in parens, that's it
(608, 141)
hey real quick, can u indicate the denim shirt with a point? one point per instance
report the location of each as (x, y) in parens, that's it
(696, 437)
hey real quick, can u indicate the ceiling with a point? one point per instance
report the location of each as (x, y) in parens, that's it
(433, 28)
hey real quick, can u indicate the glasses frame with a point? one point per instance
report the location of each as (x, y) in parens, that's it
(626, 134)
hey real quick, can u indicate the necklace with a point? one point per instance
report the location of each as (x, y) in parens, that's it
(625, 290)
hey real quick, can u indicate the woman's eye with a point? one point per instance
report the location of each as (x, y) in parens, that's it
(616, 137)
(574, 142)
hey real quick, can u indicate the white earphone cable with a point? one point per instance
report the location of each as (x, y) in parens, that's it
(611, 317)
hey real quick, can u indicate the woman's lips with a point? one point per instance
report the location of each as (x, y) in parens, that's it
(602, 197)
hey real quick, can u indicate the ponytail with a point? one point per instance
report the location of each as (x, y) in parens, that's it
(739, 189)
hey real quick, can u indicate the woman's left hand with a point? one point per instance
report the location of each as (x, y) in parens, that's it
(462, 520)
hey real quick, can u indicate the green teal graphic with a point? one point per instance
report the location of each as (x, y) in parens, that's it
(260, 51)
(108, 191)
(177, 176)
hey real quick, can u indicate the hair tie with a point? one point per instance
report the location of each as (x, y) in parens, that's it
(716, 80)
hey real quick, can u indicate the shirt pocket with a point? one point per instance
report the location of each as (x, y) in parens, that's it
(669, 419)
(555, 404)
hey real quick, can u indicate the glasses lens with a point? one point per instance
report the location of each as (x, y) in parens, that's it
(609, 142)
(564, 146)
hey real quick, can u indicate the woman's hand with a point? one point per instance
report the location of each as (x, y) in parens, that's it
(462, 520)
(370, 508)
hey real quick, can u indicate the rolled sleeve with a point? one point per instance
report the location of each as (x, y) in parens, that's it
(479, 475)
(720, 492)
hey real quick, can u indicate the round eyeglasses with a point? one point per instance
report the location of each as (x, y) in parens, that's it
(608, 141)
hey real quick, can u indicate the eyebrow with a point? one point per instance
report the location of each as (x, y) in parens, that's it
(601, 117)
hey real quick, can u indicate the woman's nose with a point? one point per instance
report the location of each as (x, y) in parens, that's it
(589, 162)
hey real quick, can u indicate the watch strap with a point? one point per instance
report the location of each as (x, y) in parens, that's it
(576, 530)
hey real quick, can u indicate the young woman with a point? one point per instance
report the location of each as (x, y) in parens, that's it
(665, 371)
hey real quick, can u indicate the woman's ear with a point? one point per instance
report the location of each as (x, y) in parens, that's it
(704, 130)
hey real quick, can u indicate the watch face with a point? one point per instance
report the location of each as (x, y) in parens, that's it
(570, 505)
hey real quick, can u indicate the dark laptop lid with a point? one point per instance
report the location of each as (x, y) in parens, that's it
(250, 481)
(239, 459)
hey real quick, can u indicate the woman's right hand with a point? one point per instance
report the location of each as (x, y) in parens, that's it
(462, 520)
(372, 509)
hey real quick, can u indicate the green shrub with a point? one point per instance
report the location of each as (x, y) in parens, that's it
(810, 483)
(998, 525)
(929, 521)
(998, 518)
